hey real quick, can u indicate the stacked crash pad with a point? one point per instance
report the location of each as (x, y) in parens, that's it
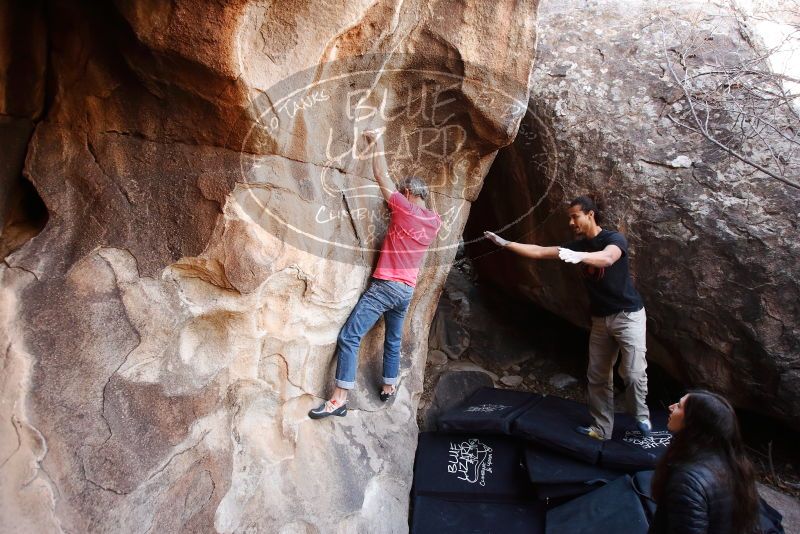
(472, 483)
(556, 476)
(551, 423)
(511, 462)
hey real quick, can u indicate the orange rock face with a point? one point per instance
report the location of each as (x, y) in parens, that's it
(210, 222)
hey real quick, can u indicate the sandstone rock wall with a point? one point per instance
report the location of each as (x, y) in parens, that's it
(211, 224)
(712, 240)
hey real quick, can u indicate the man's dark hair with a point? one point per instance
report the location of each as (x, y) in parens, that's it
(587, 205)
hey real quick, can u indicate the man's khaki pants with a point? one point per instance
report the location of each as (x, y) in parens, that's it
(620, 332)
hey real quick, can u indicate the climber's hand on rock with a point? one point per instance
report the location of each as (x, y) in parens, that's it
(370, 136)
(496, 239)
(570, 256)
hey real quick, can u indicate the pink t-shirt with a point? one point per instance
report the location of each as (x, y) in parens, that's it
(411, 230)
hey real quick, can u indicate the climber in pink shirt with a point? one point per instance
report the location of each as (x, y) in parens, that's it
(412, 229)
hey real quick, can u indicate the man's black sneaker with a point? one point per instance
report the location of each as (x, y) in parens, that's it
(328, 408)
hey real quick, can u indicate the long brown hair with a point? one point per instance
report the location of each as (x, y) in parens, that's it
(710, 427)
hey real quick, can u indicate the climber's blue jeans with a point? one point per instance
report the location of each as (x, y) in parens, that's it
(389, 299)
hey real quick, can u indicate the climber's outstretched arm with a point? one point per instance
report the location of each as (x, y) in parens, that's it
(379, 167)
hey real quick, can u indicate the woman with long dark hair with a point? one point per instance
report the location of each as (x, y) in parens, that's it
(704, 483)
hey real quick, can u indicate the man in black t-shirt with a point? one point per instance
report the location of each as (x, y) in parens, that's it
(618, 316)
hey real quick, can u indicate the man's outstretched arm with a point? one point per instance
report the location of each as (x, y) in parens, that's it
(529, 251)
(603, 258)
(379, 168)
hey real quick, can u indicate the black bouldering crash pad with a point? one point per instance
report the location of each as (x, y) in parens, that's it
(470, 468)
(488, 411)
(439, 516)
(628, 450)
(614, 507)
(643, 482)
(551, 423)
(555, 476)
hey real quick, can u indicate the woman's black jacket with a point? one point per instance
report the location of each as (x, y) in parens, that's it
(698, 499)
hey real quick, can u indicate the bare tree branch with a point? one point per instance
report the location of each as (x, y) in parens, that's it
(734, 100)
(736, 154)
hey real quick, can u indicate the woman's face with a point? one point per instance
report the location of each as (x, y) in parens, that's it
(675, 423)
